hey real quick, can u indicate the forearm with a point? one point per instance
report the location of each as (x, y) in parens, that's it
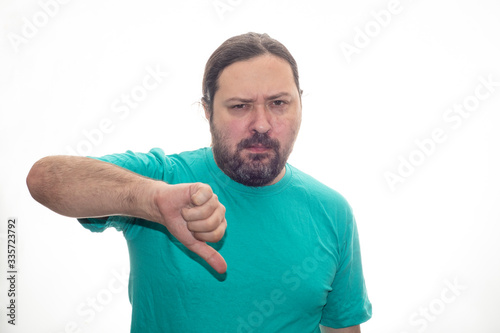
(84, 187)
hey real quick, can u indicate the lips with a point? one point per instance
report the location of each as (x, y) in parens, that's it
(258, 149)
(259, 143)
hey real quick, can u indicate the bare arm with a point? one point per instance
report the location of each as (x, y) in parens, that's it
(352, 329)
(84, 187)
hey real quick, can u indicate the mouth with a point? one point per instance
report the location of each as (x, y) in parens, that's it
(257, 149)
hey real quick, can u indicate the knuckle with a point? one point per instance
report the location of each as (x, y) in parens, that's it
(206, 187)
(218, 236)
(212, 236)
(214, 223)
(221, 231)
(214, 200)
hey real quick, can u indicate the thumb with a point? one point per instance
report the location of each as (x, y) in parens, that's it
(210, 255)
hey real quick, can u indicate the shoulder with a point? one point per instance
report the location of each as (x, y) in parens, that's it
(330, 209)
(191, 155)
(325, 203)
(155, 163)
(182, 159)
(187, 166)
(187, 159)
(316, 189)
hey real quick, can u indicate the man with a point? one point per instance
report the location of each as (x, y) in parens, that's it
(289, 260)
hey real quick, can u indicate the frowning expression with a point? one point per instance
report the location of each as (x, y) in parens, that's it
(256, 117)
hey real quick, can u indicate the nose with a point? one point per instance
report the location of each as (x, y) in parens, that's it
(261, 120)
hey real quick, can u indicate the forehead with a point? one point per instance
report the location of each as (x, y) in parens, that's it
(259, 76)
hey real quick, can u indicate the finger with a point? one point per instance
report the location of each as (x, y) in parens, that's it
(201, 193)
(210, 255)
(205, 211)
(213, 235)
(206, 225)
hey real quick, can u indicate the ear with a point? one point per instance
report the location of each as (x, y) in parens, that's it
(205, 108)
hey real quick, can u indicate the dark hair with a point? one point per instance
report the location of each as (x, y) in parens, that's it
(240, 48)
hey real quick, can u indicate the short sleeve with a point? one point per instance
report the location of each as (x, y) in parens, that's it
(152, 165)
(120, 223)
(347, 303)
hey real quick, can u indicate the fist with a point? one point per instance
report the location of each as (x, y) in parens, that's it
(193, 214)
(205, 215)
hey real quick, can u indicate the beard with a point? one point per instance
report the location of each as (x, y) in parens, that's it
(254, 169)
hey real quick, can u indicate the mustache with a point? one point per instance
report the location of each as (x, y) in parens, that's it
(262, 139)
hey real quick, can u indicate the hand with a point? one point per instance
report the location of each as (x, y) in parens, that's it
(193, 214)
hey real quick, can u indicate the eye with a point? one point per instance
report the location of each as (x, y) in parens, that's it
(239, 106)
(279, 104)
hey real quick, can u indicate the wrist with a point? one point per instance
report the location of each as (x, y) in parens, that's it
(142, 202)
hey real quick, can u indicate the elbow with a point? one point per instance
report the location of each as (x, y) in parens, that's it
(36, 180)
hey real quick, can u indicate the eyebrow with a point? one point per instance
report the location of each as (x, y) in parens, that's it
(246, 100)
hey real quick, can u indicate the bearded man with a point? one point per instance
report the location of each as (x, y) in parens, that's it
(227, 238)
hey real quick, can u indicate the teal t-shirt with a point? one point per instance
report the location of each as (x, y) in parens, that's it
(291, 248)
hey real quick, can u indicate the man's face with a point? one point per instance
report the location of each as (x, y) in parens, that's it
(256, 118)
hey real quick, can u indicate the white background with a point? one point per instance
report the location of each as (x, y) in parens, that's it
(63, 68)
